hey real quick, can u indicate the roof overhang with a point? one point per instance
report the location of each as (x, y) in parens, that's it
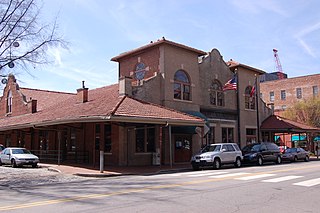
(127, 119)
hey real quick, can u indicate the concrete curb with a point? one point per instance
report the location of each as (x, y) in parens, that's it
(127, 174)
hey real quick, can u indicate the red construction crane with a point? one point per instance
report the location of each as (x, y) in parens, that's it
(278, 64)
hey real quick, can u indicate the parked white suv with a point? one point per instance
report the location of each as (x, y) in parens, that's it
(217, 154)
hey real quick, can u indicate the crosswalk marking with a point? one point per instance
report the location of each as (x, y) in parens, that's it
(252, 177)
(280, 179)
(308, 183)
(242, 176)
(229, 175)
(206, 174)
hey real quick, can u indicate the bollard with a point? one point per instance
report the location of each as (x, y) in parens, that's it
(101, 161)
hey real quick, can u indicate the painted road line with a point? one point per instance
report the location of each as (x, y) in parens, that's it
(252, 177)
(230, 175)
(308, 183)
(280, 179)
(206, 174)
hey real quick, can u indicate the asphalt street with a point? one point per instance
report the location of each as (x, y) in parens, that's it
(290, 187)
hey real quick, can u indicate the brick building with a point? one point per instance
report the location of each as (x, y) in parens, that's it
(283, 93)
(165, 94)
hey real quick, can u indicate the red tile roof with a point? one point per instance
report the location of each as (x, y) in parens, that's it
(103, 104)
(156, 43)
(45, 98)
(279, 124)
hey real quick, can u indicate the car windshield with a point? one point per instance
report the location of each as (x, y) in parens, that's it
(211, 148)
(252, 148)
(291, 150)
(20, 151)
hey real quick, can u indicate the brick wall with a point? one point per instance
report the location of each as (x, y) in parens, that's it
(289, 85)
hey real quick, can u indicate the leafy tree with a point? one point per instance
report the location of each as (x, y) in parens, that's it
(24, 39)
(307, 111)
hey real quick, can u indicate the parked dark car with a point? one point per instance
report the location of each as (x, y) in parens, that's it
(261, 152)
(295, 154)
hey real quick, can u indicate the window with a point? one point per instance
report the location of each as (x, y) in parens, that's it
(249, 99)
(283, 94)
(9, 102)
(299, 93)
(216, 94)
(107, 138)
(228, 148)
(21, 138)
(227, 135)
(44, 140)
(73, 140)
(145, 139)
(211, 137)
(315, 91)
(272, 96)
(182, 86)
(251, 136)
(97, 137)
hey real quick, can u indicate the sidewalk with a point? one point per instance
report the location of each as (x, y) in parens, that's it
(109, 171)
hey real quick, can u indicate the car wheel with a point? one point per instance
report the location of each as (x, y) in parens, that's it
(306, 159)
(295, 158)
(13, 163)
(278, 160)
(216, 164)
(237, 163)
(34, 165)
(260, 161)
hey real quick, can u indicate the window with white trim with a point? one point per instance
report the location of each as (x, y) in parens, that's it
(9, 102)
(182, 86)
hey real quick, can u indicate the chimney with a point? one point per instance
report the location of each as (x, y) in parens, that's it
(33, 106)
(125, 87)
(82, 94)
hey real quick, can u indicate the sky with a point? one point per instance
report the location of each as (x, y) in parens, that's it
(243, 30)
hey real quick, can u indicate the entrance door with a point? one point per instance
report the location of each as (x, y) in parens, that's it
(182, 148)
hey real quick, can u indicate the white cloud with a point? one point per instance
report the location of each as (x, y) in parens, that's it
(302, 35)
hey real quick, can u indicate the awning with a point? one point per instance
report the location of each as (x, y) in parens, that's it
(191, 129)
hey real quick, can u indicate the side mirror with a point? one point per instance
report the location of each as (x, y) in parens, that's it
(223, 150)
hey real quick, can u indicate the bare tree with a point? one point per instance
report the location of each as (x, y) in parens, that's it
(24, 40)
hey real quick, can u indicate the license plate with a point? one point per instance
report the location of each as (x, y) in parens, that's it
(197, 161)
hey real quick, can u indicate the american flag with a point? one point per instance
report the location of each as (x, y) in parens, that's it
(253, 90)
(231, 84)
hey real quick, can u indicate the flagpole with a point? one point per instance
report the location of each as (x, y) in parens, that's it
(238, 107)
(257, 105)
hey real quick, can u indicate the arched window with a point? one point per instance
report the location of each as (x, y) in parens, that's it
(216, 94)
(249, 98)
(9, 102)
(182, 86)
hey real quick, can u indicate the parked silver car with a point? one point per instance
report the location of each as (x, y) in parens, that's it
(18, 157)
(217, 154)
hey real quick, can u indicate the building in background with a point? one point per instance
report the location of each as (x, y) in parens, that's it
(281, 94)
